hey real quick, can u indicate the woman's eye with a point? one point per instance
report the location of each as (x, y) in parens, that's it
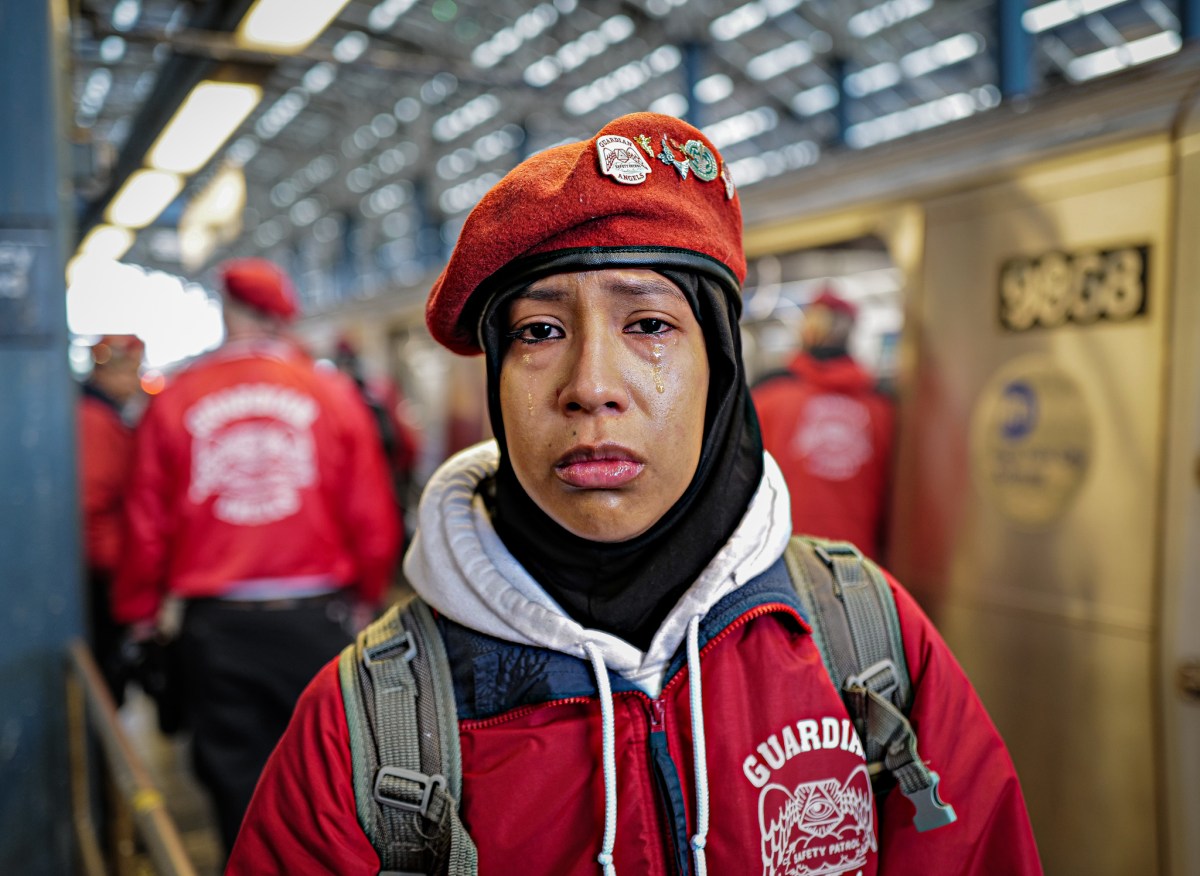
(649, 326)
(535, 332)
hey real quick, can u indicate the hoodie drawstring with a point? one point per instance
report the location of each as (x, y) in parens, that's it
(699, 753)
(699, 750)
(605, 858)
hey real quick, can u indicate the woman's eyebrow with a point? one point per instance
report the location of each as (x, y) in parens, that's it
(540, 294)
(646, 287)
(620, 286)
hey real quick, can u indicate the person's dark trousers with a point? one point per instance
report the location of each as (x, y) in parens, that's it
(244, 666)
(105, 633)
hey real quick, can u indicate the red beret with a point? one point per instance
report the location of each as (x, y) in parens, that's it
(260, 284)
(645, 181)
(828, 298)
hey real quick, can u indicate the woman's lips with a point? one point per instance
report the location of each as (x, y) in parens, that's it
(598, 468)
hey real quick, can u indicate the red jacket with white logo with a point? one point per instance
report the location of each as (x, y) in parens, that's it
(788, 789)
(105, 460)
(253, 465)
(831, 433)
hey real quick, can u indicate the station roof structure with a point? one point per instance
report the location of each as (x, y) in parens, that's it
(353, 159)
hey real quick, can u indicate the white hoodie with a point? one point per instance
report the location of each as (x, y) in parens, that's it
(459, 566)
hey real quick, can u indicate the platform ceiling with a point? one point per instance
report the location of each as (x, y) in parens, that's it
(369, 148)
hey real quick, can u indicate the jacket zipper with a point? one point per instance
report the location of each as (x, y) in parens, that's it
(669, 786)
(666, 771)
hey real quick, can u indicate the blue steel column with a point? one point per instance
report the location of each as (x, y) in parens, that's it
(40, 579)
(693, 68)
(839, 70)
(1189, 19)
(1014, 49)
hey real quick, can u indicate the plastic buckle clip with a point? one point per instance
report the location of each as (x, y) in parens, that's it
(931, 813)
(427, 784)
(405, 640)
(872, 674)
(827, 552)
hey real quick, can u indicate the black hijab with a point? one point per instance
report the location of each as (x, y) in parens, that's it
(628, 588)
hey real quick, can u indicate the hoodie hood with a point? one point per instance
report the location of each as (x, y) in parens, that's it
(460, 567)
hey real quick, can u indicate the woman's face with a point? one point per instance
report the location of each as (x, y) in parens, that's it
(602, 392)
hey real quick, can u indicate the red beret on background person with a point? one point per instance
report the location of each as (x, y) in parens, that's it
(607, 576)
(829, 299)
(260, 285)
(260, 498)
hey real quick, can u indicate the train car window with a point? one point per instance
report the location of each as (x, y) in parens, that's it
(779, 286)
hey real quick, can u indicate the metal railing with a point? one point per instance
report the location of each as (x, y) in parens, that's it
(138, 810)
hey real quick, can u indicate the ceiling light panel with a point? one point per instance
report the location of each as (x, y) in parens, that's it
(143, 197)
(207, 118)
(286, 26)
(107, 241)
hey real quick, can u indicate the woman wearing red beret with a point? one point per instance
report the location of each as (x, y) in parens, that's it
(636, 686)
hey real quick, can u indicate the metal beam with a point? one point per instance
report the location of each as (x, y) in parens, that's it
(178, 75)
(839, 69)
(695, 56)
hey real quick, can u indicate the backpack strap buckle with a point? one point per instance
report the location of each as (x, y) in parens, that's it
(931, 812)
(881, 677)
(395, 794)
(386, 650)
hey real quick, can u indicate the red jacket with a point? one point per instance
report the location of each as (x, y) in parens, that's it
(254, 465)
(105, 461)
(788, 786)
(831, 434)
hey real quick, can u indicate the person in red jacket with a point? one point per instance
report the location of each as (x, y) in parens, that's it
(105, 461)
(636, 686)
(261, 499)
(400, 438)
(830, 430)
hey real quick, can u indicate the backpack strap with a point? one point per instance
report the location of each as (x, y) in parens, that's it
(856, 628)
(404, 750)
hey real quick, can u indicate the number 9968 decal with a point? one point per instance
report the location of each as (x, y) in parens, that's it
(1082, 287)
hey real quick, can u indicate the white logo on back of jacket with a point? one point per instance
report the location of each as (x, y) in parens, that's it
(834, 437)
(253, 449)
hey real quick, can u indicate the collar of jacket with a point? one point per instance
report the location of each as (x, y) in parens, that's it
(492, 676)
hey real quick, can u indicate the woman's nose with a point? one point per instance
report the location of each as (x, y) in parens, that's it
(595, 379)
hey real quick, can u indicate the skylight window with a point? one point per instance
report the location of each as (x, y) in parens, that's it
(871, 21)
(748, 17)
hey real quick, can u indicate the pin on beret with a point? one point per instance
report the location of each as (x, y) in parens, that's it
(647, 190)
(259, 284)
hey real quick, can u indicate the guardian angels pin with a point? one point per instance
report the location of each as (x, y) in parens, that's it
(620, 159)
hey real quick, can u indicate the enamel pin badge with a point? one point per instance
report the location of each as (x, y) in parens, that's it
(620, 159)
(700, 157)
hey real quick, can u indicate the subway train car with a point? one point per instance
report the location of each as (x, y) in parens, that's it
(1032, 272)
(1046, 505)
